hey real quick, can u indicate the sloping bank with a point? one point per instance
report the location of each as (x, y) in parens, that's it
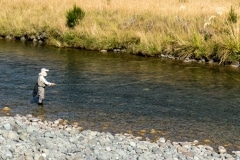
(27, 137)
(222, 53)
(185, 54)
(183, 30)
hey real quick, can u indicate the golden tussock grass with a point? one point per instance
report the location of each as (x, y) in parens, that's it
(109, 22)
(27, 13)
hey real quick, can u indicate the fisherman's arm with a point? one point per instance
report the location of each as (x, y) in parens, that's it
(46, 82)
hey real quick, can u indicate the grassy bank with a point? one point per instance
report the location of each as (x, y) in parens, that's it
(192, 29)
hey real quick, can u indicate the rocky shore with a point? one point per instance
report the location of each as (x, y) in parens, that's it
(30, 138)
(40, 37)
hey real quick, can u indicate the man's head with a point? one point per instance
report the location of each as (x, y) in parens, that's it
(44, 72)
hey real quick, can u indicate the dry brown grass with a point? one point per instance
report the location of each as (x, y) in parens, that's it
(153, 21)
(28, 13)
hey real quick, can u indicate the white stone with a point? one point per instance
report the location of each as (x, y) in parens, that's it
(222, 149)
(7, 126)
(162, 140)
(133, 144)
(108, 149)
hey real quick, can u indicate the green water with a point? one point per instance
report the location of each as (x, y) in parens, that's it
(121, 93)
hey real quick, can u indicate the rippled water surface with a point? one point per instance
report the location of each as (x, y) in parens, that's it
(125, 94)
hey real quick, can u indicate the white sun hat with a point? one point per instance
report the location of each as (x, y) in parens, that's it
(44, 71)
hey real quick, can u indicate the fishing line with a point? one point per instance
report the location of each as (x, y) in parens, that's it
(108, 86)
(114, 85)
(74, 84)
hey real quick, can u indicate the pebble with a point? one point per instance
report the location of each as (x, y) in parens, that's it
(29, 138)
(221, 149)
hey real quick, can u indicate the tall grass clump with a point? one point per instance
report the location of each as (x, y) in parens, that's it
(228, 47)
(232, 16)
(74, 15)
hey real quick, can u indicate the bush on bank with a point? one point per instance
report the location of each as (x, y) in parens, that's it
(145, 29)
(74, 15)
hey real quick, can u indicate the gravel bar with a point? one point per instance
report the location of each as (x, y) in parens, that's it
(30, 138)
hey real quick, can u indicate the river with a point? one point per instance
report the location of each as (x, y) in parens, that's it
(121, 93)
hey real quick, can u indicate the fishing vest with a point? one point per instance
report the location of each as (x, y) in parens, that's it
(40, 83)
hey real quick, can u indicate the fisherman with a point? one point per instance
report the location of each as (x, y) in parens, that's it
(40, 86)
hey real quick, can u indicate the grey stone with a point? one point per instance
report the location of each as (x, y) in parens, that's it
(74, 131)
(88, 151)
(23, 38)
(23, 136)
(41, 158)
(182, 149)
(139, 151)
(133, 144)
(22, 157)
(7, 126)
(5, 133)
(48, 134)
(188, 154)
(7, 155)
(13, 135)
(29, 158)
(31, 129)
(19, 139)
(157, 151)
(108, 148)
(142, 146)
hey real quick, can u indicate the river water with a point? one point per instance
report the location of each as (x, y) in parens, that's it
(119, 93)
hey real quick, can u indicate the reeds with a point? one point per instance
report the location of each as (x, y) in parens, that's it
(183, 28)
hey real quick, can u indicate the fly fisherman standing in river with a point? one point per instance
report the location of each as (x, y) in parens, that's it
(40, 86)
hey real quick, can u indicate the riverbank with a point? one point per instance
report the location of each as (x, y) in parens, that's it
(186, 30)
(27, 137)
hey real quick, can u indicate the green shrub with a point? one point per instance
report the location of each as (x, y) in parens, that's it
(232, 16)
(74, 15)
(182, 1)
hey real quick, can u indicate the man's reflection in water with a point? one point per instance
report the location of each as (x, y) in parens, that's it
(40, 113)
